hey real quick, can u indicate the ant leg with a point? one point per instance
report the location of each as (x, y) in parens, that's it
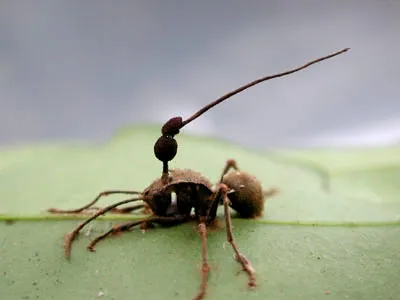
(239, 257)
(205, 268)
(124, 210)
(230, 163)
(71, 236)
(87, 206)
(127, 226)
(214, 207)
(128, 209)
(271, 192)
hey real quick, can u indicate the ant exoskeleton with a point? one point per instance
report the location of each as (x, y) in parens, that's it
(172, 197)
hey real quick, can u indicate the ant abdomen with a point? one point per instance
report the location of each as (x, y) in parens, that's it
(247, 196)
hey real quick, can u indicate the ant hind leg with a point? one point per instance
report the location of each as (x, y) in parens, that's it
(230, 163)
(238, 256)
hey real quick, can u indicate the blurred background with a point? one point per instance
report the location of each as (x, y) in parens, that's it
(81, 70)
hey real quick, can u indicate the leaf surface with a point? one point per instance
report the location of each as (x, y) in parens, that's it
(311, 243)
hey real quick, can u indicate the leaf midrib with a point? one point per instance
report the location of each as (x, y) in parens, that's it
(40, 218)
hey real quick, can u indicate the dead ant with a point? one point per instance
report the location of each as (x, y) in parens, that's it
(172, 197)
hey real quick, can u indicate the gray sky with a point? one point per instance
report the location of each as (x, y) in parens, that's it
(83, 69)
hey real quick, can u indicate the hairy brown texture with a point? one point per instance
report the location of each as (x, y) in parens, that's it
(247, 197)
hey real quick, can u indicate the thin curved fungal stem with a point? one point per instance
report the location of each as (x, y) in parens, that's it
(72, 236)
(238, 256)
(128, 225)
(165, 173)
(102, 194)
(255, 82)
(205, 269)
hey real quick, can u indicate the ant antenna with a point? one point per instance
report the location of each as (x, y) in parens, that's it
(166, 147)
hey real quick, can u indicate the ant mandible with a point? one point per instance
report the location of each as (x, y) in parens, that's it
(172, 197)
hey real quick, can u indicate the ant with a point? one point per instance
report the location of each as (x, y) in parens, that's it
(172, 197)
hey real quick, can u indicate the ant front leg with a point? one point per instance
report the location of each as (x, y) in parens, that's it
(71, 236)
(228, 223)
(205, 269)
(89, 206)
(205, 219)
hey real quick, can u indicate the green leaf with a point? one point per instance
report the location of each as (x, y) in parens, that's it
(311, 243)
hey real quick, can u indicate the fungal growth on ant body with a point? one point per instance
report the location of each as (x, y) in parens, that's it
(166, 146)
(172, 197)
